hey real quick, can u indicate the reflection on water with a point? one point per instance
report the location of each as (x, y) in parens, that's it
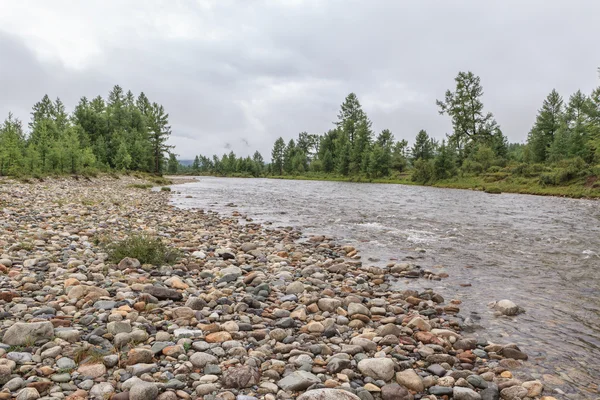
(540, 252)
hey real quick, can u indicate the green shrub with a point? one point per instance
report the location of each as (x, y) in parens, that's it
(147, 249)
(423, 171)
(140, 185)
(494, 169)
(472, 166)
(493, 190)
(165, 189)
(546, 179)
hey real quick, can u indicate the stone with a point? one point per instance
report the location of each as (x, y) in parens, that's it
(298, 380)
(327, 394)
(207, 388)
(21, 333)
(129, 263)
(463, 393)
(516, 354)
(491, 393)
(143, 391)
(377, 368)
(395, 392)
(28, 393)
(218, 337)
(357, 308)
(420, 324)
(513, 393)
(507, 307)
(409, 379)
(200, 359)
(101, 391)
(294, 288)
(240, 377)
(328, 304)
(441, 390)
(92, 371)
(534, 388)
(163, 293)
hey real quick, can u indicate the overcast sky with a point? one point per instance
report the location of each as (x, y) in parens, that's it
(238, 74)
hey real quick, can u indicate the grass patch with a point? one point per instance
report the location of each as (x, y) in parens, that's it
(89, 355)
(165, 189)
(140, 185)
(492, 190)
(147, 249)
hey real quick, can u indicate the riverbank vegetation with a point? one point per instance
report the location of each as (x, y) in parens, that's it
(121, 133)
(561, 154)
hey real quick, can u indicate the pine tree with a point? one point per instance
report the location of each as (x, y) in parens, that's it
(12, 142)
(196, 164)
(423, 147)
(471, 125)
(277, 156)
(547, 122)
(288, 157)
(173, 165)
(159, 133)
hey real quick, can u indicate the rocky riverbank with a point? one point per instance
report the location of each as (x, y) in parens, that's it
(247, 312)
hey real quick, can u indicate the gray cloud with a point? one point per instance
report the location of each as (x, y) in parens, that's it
(237, 75)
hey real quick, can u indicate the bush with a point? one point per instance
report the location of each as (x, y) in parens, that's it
(546, 179)
(423, 171)
(147, 249)
(140, 185)
(165, 189)
(494, 169)
(493, 190)
(472, 166)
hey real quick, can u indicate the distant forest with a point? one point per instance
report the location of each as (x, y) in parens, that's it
(128, 133)
(120, 133)
(563, 143)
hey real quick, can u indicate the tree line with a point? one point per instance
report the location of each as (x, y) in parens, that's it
(565, 135)
(120, 133)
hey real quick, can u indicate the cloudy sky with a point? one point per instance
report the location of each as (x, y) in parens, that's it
(238, 74)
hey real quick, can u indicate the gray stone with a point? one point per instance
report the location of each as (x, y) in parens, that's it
(21, 332)
(298, 380)
(357, 308)
(328, 394)
(395, 392)
(377, 368)
(14, 384)
(441, 390)
(491, 393)
(163, 293)
(143, 391)
(101, 391)
(28, 394)
(240, 377)
(463, 393)
(200, 359)
(295, 287)
(513, 393)
(19, 357)
(507, 307)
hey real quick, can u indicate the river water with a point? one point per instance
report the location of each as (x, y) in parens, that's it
(543, 253)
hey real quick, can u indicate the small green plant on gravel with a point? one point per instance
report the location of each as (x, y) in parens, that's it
(147, 249)
(15, 349)
(165, 189)
(88, 355)
(140, 185)
(26, 246)
(187, 346)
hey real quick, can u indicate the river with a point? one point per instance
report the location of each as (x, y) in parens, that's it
(543, 253)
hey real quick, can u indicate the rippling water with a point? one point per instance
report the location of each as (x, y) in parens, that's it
(541, 252)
